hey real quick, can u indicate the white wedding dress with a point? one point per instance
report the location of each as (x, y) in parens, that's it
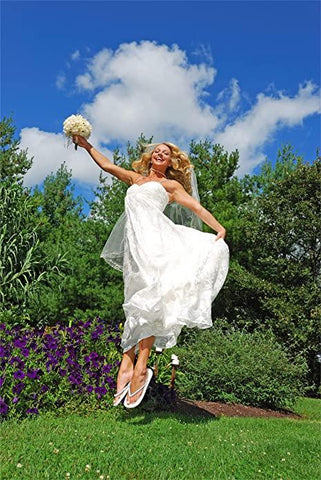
(172, 273)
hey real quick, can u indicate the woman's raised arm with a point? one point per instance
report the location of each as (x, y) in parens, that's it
(127, 176)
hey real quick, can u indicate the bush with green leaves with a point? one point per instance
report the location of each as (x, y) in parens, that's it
(252, 369)
(24, 267)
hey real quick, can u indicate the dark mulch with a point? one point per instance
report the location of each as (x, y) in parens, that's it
(217, 409)
(162, 397)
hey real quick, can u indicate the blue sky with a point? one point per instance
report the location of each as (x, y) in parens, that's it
(244, 74)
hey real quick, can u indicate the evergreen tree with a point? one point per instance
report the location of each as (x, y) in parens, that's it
(14, 162)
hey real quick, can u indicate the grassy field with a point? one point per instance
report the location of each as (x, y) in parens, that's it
(132, 445)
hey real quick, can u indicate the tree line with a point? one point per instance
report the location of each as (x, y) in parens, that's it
(51, 272)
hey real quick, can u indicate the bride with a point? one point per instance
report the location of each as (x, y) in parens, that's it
(172, 273)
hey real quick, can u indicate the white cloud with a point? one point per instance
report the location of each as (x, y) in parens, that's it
(154, 89)
(60, 81)
(49, 151)
(252, 131)
(235, 94)
(147, 88)
(98, 71)
(75, 55)
(229, 97)
(205, 52)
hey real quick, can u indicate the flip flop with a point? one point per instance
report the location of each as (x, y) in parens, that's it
(143, 388)
(120, 395)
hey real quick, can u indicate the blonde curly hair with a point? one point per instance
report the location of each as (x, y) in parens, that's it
(180, 170)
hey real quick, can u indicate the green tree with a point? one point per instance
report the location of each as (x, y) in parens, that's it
(274, 278)
(57, 200)
(88, 288)
(220, 190)
(285, 227)
(14, 162)
(23, 265)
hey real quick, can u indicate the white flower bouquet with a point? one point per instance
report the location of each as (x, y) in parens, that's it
(76, 125)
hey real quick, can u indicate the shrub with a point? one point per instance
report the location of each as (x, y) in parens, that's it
(248, 368)
(45, 369)
(24, 266)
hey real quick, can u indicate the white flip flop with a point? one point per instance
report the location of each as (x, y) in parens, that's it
(120, 395)
(143, 388)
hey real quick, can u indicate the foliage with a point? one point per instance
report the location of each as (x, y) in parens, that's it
(88, 288)
(56, 199)
(252, 369)
(49, 252)
(24, 268)
(42, 368)
(220, 191)
(284, 224)
(14, 162)
(277, 276)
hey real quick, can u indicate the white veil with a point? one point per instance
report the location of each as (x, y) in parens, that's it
(113, 251)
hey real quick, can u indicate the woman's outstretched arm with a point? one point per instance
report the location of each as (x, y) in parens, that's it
(127, 176)
(179, 195)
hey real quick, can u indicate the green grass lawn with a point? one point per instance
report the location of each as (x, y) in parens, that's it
(309, 408)
(132, 445)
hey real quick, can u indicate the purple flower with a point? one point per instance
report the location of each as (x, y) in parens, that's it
(62, 372)
(93, 356)
(95, 334)
(100, 391)
(17, 360)
(25, 352)
(51, 363)
(70, 362)
(15, 399)
(89, 388)
(44, 389)
(111, 382)
(3, 352)
(106, 368)
(33, 374)
(1, 381)
(75, 379)
(60, 352)
(71, 351)
(52, 358)
(2, 326)
(19, 343)
(50, 342)
(19, 375)
(3, 407)
(18, 388)
(33, 411)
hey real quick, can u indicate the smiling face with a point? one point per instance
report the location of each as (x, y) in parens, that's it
(161, 157)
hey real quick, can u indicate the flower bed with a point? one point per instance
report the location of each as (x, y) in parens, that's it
(42, 370)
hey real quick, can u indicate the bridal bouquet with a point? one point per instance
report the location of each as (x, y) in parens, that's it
(76, 125)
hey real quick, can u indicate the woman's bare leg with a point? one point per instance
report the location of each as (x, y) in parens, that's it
(139, 375)
(126, 369)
